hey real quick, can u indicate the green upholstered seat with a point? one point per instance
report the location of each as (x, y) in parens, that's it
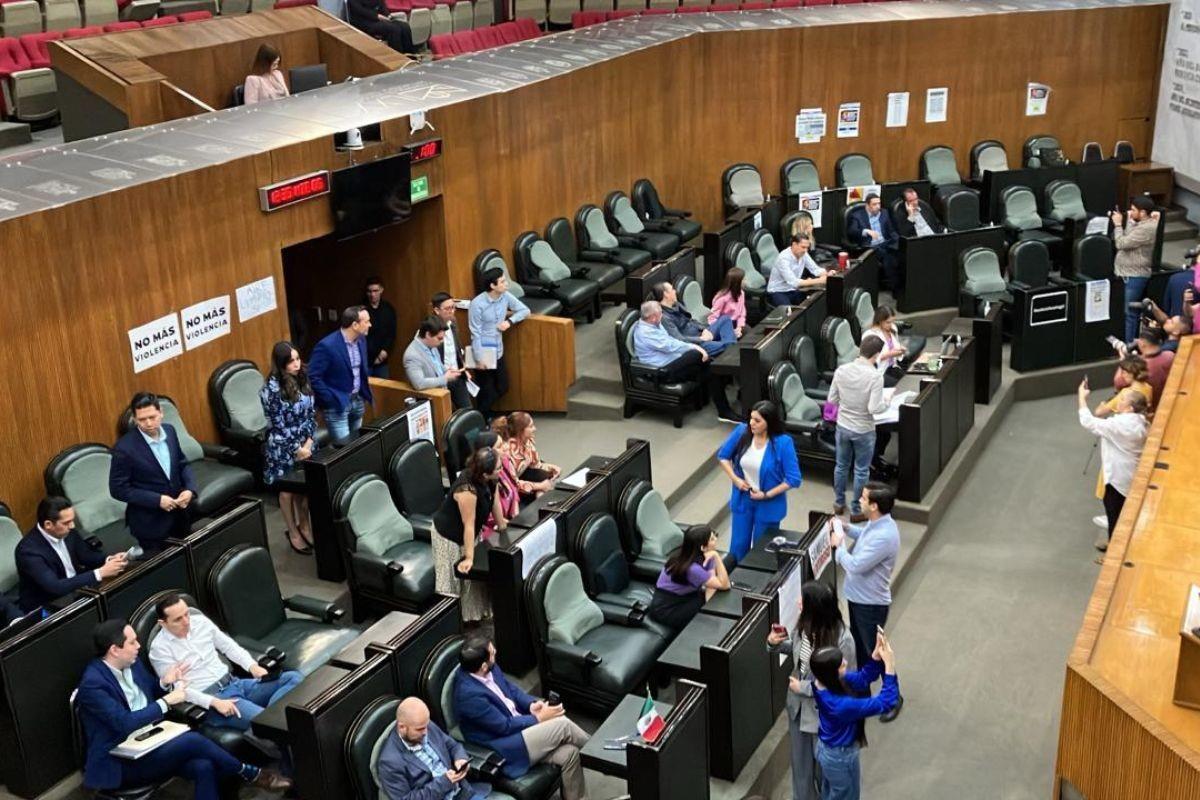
(1065, 201)
(744, 187)
(382, 540)
(854, 169)
(1029, 264)
(940, 167)
(795, 404)
(593, 234)
(753, 282)
(570, 613)
(988, 156)
(241, 396)
(799, 175)
(647, 204)
(538, 305)
(689, 292)
(603, 565)
(550, 267)
(981, 275)
(961, 209)
(10, 537)
(561, 239)
(660, 535)
(765, 251)
(625, 220)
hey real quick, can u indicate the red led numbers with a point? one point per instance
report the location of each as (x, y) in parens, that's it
(285, 193)
(425, 150)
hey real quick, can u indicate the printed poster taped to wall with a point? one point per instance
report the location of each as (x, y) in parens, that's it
(897, 109)
(420, 422)
(848, 120)
(1096, 307)
(540, 542)
(858, 194)
(810, 125)
(811, 202)
(205, 321)
(936, 101)
(155, 342)
(256, 299)
(1037, 97)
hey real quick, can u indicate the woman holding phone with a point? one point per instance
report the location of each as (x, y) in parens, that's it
(844, 701)
(820, 625)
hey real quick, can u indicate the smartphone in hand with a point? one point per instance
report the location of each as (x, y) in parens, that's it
(779, 629)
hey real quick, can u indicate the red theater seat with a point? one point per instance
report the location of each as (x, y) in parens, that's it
(79, 33)
(127, 25)
(488, 36)
(509, 32)
(442, 45)
(581, 19)
(528, 28)
(622, 14)
(194, 16)
(36, 47)
(160, 22)
(466, 42)
(13, 57)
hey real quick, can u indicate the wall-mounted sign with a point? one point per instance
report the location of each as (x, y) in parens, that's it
(293, 190)
(423, 151)
(205, 321)
(419, 188)
(155, 342)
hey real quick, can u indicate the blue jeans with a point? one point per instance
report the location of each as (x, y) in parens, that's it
(748, 528)
(1135, 290)
(793, 298)
(251, 696)
(840, 776)
(344, 424)
(857, 449)
(723, 333)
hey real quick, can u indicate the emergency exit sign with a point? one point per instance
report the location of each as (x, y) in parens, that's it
(419, 188)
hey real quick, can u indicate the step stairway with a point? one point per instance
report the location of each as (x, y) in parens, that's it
(1178, 227)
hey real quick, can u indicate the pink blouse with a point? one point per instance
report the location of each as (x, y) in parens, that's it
(725, 305)
(265, 87)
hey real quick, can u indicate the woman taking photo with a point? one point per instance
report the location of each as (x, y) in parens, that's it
(883, 327)
(844, 702)
(265, 81)
(287, 401)
(820, 625)
(457, 525)
(688, 579)
(730, 302)
(534, 476)
(760, 459)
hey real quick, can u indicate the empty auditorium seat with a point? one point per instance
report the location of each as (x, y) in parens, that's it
(461, 14)
(37, 48)
(127, 25)
(1020, 215)
(466, 42)
(741, 187)
(988, 156)
(802, 354)
(488, 37)
(604, 566)
(80, 474)
(798, 175)
(1037, 147)
(458, 438)
(102, 12)
(62, 14)
(981, 277)
(854, 169)
(939, 166)
(415, 477)
(651, 209)
(27, 91)
(540, 269)
(837, 345)
(441, 21)
(82, 33)
(196, 16)
(631, 231)
(160, 22)
(961, 209)
(801, 414)
(1092, 153)
(764, 251)
(593, 234)
(20, 17)
(1028, 265)
(233, 396)
(538, 301)
(1092, 257)
(1123, 152)
(596, 265)
(485, 13)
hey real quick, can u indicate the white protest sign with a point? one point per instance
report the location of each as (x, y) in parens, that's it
(155, 342)
(205, 321)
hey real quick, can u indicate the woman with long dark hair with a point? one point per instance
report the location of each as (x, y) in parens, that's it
(820, 625)
(287, 401)
(760, 459)
(265, 81)
(458, 524)
(883, 327)
(844, 702)
(730, 302)
(508, 495)
(688, 579)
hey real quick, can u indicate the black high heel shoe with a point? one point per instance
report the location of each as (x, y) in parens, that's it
(304, 551)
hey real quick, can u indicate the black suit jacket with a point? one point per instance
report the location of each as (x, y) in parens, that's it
(858, 223)
(136, 478)
(365, 12)
(42, 574)
(908, 230)
(458, 349)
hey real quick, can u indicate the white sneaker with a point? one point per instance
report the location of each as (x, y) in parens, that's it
(1100, 521)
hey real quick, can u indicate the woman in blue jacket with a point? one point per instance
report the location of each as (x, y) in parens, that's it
(760, 460)
(844, 702)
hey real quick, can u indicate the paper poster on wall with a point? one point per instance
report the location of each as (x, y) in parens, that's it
(811, 202)
(206, 321)
(1096, 308)
(848, 119)
(420, 422)
(858, 194)
(1179, 95)
(540, 542)
(936, 101)
(810, 125)
(897, 109)
(1037, 97)
(155, 342)
(256, 299)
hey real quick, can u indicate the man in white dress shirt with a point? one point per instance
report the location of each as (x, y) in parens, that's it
(794, 273)
(190, 643)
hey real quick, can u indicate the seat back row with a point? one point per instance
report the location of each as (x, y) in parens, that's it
(455, 44)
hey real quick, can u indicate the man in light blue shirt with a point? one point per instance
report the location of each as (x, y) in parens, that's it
(488, 318)
(868, 568)
(681, 361)
(794, 271)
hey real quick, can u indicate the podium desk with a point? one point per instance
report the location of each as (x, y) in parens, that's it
(729, 604)
(931, 266)
(682, 658)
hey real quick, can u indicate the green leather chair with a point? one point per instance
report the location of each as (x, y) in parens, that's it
(603, 565)
(248, 606)
(594, 265)
(435, 686)
(981, 275)
(688, 289)
(10, 537)
(741, 187)
(802, 353)
(1034, 147)
(837, 345)
(961, 210)
(389, 566)
(648, 534)
(1092, 257)
(631, 231)
(798, 175)
(862, 310)
(988, 156)
(854, 169)
(764, 251)
(593, 235)
(233, 391)
(458, 438)
(80, 474)
(650, 208)
(592, 654)
(1020, 217)
(541, 268)
(754, 283)
(415, 477)
(1064, 201)
(801, 413)
(646, 386)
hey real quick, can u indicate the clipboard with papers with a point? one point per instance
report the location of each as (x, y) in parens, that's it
(149, 738)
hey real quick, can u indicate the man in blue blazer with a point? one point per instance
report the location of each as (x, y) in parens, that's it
(868, 226)
(339, 372)
(419, 761)
(117, 696)
(53, 560)
(495, 713)
(151, 476)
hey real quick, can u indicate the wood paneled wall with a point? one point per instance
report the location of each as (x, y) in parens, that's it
(83, 274)
(681, 112)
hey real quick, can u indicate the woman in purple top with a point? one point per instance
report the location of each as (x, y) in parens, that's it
(688, 579)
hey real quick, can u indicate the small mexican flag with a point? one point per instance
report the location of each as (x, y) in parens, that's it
(650, 723)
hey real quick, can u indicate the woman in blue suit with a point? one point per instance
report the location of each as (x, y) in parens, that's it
(760, 460)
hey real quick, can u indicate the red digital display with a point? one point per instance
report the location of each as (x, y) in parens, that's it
(424, 151)
(285, 193)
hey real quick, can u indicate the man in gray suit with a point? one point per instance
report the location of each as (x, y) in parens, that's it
(419, 761)
(424, 366)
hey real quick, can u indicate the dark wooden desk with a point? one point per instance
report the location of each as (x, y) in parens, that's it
(272, 722)
(682, 658)
(1146, 177)
(621, 722)
(355, 654)
(764, 556)
(729, 604)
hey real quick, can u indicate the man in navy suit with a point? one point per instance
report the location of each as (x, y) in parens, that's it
(419, 761)
(150, 474)
(338, 370)
(53, 560)
(868, 226)
(117, 696)
(495, 713)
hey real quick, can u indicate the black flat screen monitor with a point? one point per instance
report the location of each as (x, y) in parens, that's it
(370, 196)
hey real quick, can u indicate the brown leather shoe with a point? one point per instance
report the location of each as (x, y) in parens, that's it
(839, 511)
(271, 780)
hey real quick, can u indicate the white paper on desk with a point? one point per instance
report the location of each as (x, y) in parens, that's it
(1097, 225)
(472, 387)
(892, 413)
(576, 480)
(537, 544)
(133, 749)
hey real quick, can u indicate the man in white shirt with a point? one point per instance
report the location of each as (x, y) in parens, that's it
(794, 271)
(453, 357)
(191, 644)
(1122, 436)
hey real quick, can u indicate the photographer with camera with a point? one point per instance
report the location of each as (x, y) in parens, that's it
(1173, 326)
(1134, 239)
(1148, 345)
